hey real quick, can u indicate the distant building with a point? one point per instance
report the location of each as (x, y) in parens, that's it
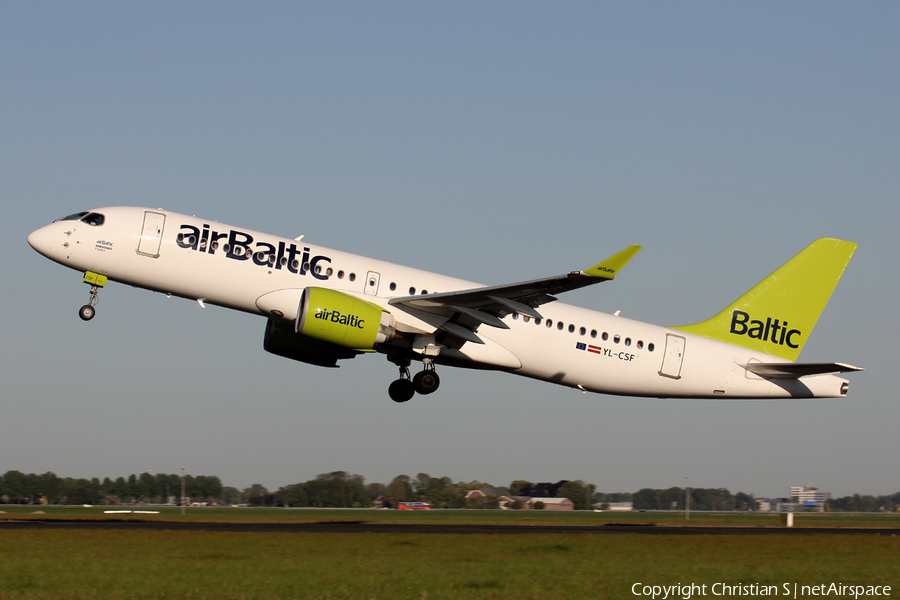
(506, 500)
(552, 503)
(808, 496)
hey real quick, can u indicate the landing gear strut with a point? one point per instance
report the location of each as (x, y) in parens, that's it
(88, 311)
(403, 389)
(425, 382)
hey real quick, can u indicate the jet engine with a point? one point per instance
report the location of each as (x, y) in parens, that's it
(343, 320)
(330, 325)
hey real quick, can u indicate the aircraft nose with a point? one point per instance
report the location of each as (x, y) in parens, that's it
(43, 240)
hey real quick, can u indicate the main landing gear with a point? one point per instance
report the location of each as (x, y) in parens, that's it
(425, 382)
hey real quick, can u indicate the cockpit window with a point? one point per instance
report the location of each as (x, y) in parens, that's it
(74, 217)
(95, 219)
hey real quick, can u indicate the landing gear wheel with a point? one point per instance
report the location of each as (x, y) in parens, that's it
(426, 382)
(87, 312)
(401, 390)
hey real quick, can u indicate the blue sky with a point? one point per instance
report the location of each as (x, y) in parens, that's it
(495, 142)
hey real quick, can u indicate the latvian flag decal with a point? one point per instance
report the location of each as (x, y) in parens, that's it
(589, 348)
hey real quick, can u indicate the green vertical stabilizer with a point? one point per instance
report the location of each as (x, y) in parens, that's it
(777, 316)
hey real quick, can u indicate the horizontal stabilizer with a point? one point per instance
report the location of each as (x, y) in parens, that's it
(797, 370)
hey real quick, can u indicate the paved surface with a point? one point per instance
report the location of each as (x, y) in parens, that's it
(362, 527)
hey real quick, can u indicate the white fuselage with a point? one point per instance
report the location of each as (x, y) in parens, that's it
(576, 347)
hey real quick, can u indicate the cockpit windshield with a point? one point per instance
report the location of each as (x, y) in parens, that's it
(95, 219)
(74, 217)
(91, 218)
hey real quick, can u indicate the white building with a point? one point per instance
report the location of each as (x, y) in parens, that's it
(809, 496)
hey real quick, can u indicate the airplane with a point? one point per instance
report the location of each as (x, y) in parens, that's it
(323, 305)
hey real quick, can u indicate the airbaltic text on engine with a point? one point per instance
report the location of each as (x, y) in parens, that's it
(263, 254)
(761, 331)
(336, 317)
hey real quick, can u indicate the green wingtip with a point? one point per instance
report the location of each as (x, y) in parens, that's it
(609, 267)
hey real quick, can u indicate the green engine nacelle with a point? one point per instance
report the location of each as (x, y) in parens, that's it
(342, 319)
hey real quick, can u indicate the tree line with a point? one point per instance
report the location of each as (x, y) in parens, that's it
(340, 489)
(19, 488)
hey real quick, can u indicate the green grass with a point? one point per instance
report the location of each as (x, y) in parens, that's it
(79, 564)
(468, 517)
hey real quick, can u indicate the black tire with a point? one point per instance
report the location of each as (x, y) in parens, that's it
(426, 382)
(401, 390)
(86, 312)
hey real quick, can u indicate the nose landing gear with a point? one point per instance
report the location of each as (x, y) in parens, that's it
(404, 388)
(97, 281)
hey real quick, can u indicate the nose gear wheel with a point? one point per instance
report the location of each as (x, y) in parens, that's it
(88, 311)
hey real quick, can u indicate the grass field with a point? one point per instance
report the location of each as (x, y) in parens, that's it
(87, 564)
(198, 565)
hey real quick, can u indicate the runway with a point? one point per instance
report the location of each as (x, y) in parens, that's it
(363, 527)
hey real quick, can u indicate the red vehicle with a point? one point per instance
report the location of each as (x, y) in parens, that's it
(413, 506)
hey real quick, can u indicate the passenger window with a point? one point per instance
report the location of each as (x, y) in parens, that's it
(537, 321)
(515, 316)
(352, 277)
(582, 331)
(616, 338)
(549, 322)
(593, 333)
(340, 274)
(412, 291)
(571, 329)
(640, 344)
(650, 347)
(393, 286)
(627, 341)
(560, 325)
(605, 336)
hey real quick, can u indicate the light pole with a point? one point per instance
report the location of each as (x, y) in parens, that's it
(182, 492)
(687, 500)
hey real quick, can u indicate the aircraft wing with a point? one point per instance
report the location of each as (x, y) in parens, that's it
(466, 310)
(797, 370)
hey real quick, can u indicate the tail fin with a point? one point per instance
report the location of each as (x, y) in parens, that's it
(777, 316)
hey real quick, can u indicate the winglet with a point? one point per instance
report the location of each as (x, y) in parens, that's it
(609, 267)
